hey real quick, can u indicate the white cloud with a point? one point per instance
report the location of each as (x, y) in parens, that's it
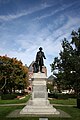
(32, 10)
(53, 12)
(23, 12)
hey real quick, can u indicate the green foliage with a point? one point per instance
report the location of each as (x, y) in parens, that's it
(8, 96)
(68, 64)
(50, 87)
(61, 96)
(13, 75)
(52, 95)
(11, 96)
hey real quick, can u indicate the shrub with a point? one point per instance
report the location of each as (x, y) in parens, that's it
(52, 95)
(8, 96)
(61, 95)
(72, 95)
(58, 95)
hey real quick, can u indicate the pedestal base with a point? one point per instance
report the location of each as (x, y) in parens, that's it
(39, 103)
(39, 107)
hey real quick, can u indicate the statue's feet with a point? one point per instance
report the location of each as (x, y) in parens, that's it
(41, 71)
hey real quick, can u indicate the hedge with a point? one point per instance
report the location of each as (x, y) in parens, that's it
(10, 96)
(61, 96)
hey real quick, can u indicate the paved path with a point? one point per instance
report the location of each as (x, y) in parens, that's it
(26, 104)
(63, 105)
(13, 104)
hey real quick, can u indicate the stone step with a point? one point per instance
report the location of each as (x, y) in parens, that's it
(41, 102)
(39, 106)
(40, 110)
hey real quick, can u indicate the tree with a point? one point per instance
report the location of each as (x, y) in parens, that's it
(68, 63)
(13, 75)
(76, 42)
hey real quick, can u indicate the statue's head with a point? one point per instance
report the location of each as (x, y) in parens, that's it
(40, 48)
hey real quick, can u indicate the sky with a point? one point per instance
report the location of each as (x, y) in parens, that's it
(26, 25)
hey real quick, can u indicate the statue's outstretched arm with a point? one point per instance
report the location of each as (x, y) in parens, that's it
(44, 56)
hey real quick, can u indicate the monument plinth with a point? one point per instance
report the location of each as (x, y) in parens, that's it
(39, 104)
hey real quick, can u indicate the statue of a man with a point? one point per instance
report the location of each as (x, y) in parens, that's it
(39, 59)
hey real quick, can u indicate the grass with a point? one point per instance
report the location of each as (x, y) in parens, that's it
(15, 101)
(52, 101)
(69, 101)
(73, 111)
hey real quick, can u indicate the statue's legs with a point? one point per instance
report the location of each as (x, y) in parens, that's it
(40, 68)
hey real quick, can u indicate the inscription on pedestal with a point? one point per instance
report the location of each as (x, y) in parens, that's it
(39, 88)
(39, 95)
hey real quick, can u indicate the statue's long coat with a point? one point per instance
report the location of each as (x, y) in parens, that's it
(39, 58)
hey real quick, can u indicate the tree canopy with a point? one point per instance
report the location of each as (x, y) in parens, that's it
(67, 64)
(13, 74)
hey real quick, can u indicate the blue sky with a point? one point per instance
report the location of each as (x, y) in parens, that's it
(25, 25)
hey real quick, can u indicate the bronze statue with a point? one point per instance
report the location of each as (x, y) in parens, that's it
(39, 59)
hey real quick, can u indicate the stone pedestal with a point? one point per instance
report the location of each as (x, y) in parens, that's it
(39, 103)
(39, 87)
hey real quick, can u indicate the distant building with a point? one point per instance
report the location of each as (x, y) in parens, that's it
(44, 69)
(30, 70)
(51, 81)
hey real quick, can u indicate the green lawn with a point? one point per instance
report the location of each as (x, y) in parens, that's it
(73, 111)
(15, 101)
(69, 101)
(63, 102)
